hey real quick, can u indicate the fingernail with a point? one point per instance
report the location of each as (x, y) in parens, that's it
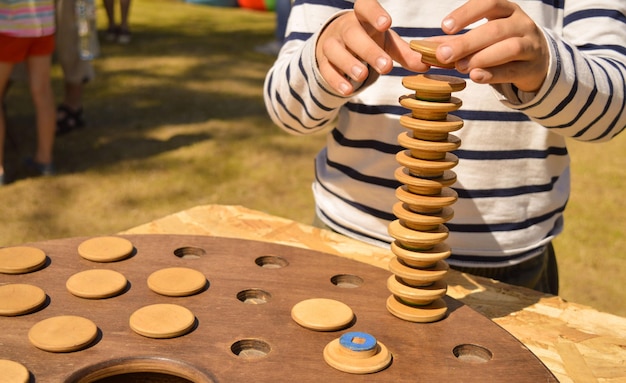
(381, 63)
(445, 52)
(381, 21)
(344, 88)
(448, 23)
(356, 72)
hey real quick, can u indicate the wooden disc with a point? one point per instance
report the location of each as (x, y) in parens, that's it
(176, 281)
(415, 238)
(19, 298)
(428, 49)
(63, 333)
(414, 144)
(434, 87)
(431, 130)
(105, 249)
(322, 314)
(344, 360)
(426, 203)
(96, 283)
(430, 110)
(162, 320)
(421, 258)
(426, 168)
(21, 259)
(420, 314)
(418, 277)
(13, 372)
(416, 295)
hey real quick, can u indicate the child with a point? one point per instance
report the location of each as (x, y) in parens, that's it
(539, 72)
(27, 34)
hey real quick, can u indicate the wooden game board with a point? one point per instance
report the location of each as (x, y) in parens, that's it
(243, 329)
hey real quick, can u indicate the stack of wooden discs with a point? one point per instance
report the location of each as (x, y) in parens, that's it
(425, 197)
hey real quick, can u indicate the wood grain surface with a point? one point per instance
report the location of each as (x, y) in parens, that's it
(235, 341)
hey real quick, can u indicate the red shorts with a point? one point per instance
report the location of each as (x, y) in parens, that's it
(16, 49)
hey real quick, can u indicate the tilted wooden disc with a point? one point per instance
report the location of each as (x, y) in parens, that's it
(416, 238)
(337, 357)
(426, 168)
(425, 186)
(428, 86)
(430, 110)
(105, 249)
(417, 145)
(21, 259)
(428, 50)
(421, 258)
(426, 203)
(162, 321)
(13, 372)
(416, 295)
(431, 130)
(431, 312)
(65, 333)
(177, 281)
(321, 314)
(417, 277)
(20, 298)
(96, 284)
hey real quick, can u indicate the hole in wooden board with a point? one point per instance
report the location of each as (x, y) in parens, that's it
(271, 262)
(254, 296)
(250, 348)
(471, 353)
(140, 370)
(347, 281)
(189, 252)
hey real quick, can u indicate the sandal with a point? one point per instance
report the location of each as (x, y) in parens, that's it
(68, 119)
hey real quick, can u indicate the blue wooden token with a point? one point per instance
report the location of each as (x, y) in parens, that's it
(358, 341)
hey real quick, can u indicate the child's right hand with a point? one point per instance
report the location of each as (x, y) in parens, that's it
(360, 38)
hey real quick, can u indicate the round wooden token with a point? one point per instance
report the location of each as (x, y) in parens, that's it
(347, 359)
(96, 284)
(105, 249)
(19, 298)
(419, 314)
(433, 87)
(418, 277)
(13, 372)
(21, 259)
(162, 320)
(428, 50)
(176, 281)
(63, 333)
(416, 295)
(321, 314)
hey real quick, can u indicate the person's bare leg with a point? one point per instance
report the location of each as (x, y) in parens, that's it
(43, 99)
(125, 13)
(109, 7)
(5, 74)
(73, 96)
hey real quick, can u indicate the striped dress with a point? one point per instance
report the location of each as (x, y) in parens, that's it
(27, 18)
(513, 173)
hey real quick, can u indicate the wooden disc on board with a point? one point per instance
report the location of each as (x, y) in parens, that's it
(177, 281)
(419, 314)
(321, 314)
(96, 283)
(347, 359)
(13, 372)
(162, 320)
(105, 249)
(65, 333)
(20, 298)
(21, 259)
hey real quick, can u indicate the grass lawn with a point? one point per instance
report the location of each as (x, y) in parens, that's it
(176, 119)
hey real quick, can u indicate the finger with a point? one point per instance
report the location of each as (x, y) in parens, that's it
(372, 16)
(343, 59)
(475, 10)
(517, 73)
(401, 52)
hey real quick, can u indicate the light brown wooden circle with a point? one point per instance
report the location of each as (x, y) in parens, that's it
(428, 49)
(162, 321)
(431, 130)
(337, 357)
(421, 258)
(419, 314)
(176, 281)
(418, 277)
(429, 148)
(21, 259)
(96, 283)
(63, 333)
(439, 86)
(20, 298)
(13, 372)
(415, 238)
(416, 295)
(105, 249)
(427, 203)
(321, 314)
(418, 221)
